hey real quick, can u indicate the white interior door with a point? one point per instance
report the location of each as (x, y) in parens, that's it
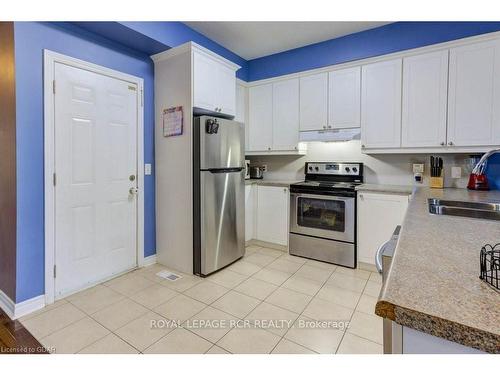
(96, 166)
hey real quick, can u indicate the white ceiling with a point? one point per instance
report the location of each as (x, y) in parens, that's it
(251, 40)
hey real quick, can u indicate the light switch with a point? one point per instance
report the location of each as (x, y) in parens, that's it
(147, 169)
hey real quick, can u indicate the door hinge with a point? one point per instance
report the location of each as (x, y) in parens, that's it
(54, 179)
(54, 271)
(54, 86)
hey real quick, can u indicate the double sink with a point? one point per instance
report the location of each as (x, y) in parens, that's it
(477, 210)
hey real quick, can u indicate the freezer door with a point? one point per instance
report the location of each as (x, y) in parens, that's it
(222, 199)
(221, 142)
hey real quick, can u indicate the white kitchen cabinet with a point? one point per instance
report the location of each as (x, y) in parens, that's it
(214, 84)
(286, 115)
(273, 119)
(378, 215)
(425, 95)
(250, 211)
(474, 95)
(260, 99)
(241, 103)
(381, 105)
(344, 87)
(313, 102)
(272, 214)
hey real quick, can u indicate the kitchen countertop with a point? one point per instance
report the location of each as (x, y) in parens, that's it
(266, 182)
(393, 189)
(433, 285)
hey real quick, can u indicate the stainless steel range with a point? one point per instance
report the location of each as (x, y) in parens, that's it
(323, 213)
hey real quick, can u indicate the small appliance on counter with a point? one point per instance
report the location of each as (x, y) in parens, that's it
(247, 169)
(256, 172)
(478, 179)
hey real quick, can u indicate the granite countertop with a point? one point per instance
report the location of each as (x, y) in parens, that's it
(266, 182)
(433, 285)
(393, 189)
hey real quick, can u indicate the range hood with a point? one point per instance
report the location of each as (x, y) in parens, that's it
(330, 135)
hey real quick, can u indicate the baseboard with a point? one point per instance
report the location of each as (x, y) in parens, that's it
(269, 245)
(148, 261)
(7, 305)
(18, 310)
(367, 267)
(28, 306)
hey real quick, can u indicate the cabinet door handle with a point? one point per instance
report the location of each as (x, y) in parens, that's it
(450, 143)
(362, 146)
(443, 143)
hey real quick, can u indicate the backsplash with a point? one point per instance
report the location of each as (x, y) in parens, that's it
(394, 169)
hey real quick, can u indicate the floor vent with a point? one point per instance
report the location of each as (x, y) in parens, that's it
(167, 275)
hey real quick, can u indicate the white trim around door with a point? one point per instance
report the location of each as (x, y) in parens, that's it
(50, 60)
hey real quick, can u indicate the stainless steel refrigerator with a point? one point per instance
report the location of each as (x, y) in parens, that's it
(219, 193)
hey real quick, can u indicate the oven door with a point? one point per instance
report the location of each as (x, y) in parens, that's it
(322, 216)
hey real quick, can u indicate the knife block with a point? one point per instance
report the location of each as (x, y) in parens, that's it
(437, 182)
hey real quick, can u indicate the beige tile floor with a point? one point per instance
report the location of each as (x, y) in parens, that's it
(267, 302)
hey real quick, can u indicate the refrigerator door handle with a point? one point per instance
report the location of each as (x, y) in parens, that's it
(225, 170)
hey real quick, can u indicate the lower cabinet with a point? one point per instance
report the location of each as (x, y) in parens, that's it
(250, 204)
(266, 214)
(272, 214)
(378, 215)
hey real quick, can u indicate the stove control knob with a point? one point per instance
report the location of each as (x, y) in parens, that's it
(310, 168)
(347, 169)
(355, 170)
(316, 169)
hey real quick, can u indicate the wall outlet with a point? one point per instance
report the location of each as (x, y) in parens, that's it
(418, 168)
(147, 169)
(456, 172)
(264, 167)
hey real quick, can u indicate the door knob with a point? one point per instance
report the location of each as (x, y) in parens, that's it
(133, 191)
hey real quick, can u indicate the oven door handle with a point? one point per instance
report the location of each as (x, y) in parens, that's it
(378, 255)
(325, 197)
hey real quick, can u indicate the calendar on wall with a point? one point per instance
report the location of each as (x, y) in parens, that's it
(172, 121)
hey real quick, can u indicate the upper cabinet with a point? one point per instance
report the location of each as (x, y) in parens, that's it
(273, 118)
(425, 87)
(344, 88)
(241, 112)
(286, 115)
(314, 102)
(474, 95)
(241, 98)
(260, 118)
(381, 105)
(214, 83)
(442, 100)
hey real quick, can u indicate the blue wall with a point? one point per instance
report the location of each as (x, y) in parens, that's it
(30, 40)
(382, 40)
